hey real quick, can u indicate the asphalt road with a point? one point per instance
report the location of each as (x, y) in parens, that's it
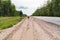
(31, 29)
(55, 20)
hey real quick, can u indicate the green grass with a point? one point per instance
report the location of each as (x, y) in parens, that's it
(6, 22)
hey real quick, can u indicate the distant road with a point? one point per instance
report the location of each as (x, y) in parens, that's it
(55, 20)
(31, 29)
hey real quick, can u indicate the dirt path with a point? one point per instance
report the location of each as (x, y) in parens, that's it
(31, 29)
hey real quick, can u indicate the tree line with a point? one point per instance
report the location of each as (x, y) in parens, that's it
(8, 9)
(51, 9)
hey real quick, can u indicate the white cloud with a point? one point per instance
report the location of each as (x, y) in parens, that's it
(32, 5)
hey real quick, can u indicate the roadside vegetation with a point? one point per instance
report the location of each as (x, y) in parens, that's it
(51, 9)
(6, 22)
(7, 8)
(9, 15)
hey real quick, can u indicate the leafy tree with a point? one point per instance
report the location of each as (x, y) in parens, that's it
(7, 8)
(21, 13)
(51, 9)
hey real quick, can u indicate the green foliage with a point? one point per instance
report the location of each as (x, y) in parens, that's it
(10, 21)
(51, 9)
(7, 9)
(21, 13)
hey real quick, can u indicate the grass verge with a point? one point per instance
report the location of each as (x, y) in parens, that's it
(6, 22)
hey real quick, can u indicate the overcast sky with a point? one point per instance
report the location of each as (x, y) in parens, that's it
(28, 6)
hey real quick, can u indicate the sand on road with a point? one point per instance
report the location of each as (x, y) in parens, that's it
(31, 29)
